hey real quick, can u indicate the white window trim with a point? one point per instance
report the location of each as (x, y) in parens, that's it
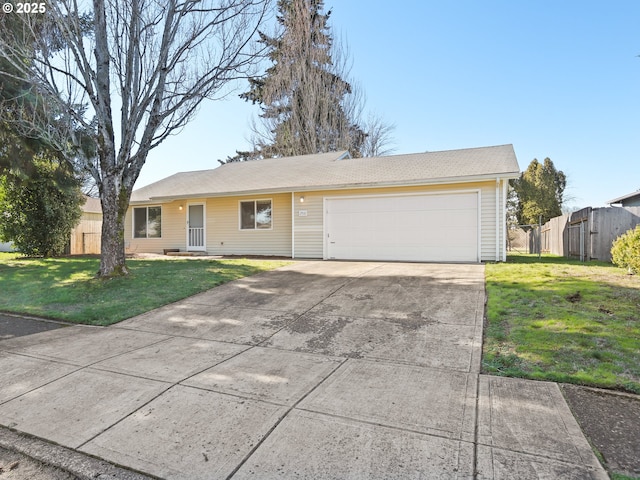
(133, 222)
(255, 202)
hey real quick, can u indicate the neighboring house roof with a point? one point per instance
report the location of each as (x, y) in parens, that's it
(626, 198)
(335, 170)
(92, 205)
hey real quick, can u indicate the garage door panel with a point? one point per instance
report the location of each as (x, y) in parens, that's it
(442, 227)
(409, 253)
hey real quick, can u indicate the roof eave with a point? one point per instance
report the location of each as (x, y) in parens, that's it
(623, 198)
(346, 186)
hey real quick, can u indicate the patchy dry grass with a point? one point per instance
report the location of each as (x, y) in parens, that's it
(562, 320)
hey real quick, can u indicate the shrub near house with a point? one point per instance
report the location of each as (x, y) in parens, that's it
(625, 251)
(39, 211)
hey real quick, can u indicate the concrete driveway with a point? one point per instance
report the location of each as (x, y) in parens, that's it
(315, 370)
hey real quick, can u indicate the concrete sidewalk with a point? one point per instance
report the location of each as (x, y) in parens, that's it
(315, 370)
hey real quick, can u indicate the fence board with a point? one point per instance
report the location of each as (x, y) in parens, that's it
(554, 240)
(607, 225)
(601, 226)
(86, 236)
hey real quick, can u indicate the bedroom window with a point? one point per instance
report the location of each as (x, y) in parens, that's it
(255, 215)
(147, 222)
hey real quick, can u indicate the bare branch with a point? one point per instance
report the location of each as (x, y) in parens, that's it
(163, 58)
(379, 141)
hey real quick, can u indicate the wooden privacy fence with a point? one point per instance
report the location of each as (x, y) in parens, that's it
(587, 234)
(86, 236)
(523, 239)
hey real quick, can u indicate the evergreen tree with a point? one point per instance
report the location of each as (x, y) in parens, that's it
(38, 212)
(539, 191)
(305, 102)
(16, 151)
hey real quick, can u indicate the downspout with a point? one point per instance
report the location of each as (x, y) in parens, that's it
(505, 190)
(293, 225)
(498, 219)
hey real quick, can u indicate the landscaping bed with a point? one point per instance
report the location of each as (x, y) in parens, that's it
(67, 288)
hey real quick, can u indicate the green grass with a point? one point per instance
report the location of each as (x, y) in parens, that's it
(67, 288)
(619, 476)
(565, 321)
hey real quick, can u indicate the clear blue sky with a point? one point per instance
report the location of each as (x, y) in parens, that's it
(557, 79)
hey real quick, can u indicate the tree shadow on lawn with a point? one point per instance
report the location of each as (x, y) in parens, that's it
(68, 289)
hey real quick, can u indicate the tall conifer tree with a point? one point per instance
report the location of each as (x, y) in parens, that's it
(304, 99)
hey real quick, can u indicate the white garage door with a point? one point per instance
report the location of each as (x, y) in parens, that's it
(427, 228)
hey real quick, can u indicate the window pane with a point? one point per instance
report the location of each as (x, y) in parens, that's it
(140, 222)
(154, 226)
(196, 216)
(247, 215)
(263, 216)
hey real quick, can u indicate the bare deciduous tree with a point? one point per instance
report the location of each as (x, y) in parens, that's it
(155, 61)
(379, 140)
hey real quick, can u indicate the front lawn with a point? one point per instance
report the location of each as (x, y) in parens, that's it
(66, 288)
(562, 320)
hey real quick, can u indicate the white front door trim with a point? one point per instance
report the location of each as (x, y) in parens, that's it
(197, 234)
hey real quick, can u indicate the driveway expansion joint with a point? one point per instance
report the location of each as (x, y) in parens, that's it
(289, 410)
(170, 386)
(257, 391)
(433, 432)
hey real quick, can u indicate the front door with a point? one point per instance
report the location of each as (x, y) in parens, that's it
(195, 227)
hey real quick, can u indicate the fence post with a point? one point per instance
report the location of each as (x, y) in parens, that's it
(540, 237)
(582, 256)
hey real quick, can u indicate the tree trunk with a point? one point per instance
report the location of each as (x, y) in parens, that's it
(164, 60)
(115, 200)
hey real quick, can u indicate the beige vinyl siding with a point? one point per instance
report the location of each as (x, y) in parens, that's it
(488, 222)
(222, 226)
(173, 233)
(502, 220)
(308, 228)
(309, 239)
(224, 236)
(493, 241)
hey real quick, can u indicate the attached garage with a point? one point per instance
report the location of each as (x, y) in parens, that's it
(447, 206)
(442, 227)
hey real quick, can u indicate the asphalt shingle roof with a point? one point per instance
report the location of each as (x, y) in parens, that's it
(334, 171)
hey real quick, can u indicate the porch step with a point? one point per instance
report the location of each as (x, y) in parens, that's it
(186, 254)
